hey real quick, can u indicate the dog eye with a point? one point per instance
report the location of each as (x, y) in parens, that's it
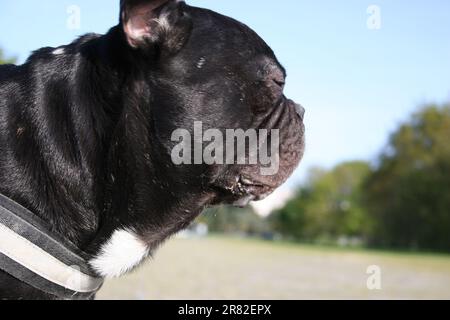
(280, 83)
(276, 87)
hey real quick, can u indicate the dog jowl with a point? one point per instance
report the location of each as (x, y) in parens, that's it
(86, 130)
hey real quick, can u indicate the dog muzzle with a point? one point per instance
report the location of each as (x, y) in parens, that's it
(32, 254)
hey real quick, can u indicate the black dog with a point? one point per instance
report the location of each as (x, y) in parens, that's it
(86, 130)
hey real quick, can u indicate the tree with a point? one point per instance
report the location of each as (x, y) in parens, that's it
(328, 207)
(4, 60)
(408, 195)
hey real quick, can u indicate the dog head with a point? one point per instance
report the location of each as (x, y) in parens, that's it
(210, 74)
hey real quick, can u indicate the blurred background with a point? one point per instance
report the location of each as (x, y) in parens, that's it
(367, 214)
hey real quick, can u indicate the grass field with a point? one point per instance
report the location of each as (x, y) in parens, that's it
(223, 268)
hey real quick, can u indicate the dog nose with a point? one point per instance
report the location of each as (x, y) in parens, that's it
(300, 110)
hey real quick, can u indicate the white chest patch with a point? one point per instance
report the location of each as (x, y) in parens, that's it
(123, 252)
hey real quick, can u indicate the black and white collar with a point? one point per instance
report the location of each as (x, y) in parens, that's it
(32, 254)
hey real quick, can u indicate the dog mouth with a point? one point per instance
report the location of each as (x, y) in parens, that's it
(244, 190)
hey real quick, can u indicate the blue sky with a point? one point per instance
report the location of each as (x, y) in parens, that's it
(357, 84)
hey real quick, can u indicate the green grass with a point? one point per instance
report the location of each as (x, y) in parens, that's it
(228, 268)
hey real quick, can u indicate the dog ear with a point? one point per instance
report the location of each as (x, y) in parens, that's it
(147, 22)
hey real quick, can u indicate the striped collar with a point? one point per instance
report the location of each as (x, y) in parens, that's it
(32, 254)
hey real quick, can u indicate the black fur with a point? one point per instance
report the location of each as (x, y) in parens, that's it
(85, 135)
